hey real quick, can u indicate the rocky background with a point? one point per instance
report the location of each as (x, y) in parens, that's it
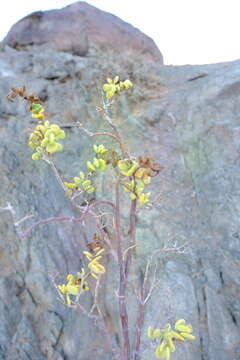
(187, 117)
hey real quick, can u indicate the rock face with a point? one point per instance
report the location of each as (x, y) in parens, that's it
(187, 117)
(80, 29)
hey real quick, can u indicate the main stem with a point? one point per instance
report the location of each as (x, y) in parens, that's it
(139, 325)
(132, 241)
(140, 316)
(125, 355)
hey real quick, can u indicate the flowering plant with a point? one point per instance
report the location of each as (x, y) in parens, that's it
(132, 175)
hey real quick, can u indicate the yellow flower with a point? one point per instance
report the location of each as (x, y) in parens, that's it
(127, 166)
(142, 173)
(75, 285)
(88, 255)
(157, 333)
(90, 166)
(143, 198)
(167, 337)
(150, 332)
(115, 86)
(185, 330)
(45, 136)
(40, 115)
(94, 266)
(100, 149)
(127, 84)
(181, 325)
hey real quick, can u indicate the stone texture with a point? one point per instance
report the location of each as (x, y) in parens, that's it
(187, 117)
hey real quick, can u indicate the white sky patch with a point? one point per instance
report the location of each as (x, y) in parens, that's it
(186, 31)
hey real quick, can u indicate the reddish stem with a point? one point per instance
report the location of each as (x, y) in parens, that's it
(139, 325)
(64, 218)
(45, 221)
(140, 316)
(122, 282)
(132, 235)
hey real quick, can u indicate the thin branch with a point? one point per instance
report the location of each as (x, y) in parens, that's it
(53, 219)
(25, 218)
(103, 202)
(125, 253)
(16, 223)
(119, 135)
(9, 208)
(153, 285)
(100, 133)
(55, 171)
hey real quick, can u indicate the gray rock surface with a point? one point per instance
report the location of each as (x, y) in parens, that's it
(187, 117)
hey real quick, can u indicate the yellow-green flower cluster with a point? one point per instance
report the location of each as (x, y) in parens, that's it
(98, 163)
(44, 139)
(140, 178)
(168, 337)
(75, 286)
(81, 183)
(94, 266)
(100, 149)
(115, 86)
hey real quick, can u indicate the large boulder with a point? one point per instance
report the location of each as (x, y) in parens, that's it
(80, 28)
(186, 117)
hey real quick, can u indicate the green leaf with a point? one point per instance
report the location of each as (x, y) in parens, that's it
(127, 166)
(157, 333)
(90, 189)
(51, 148)
(116, 79)
(37, 108)
(127, 84)
(90, 166)
(36, 156)
(60, 135)
(51, 138)
(106, 87)
(86, 184)
(102, 165)
(77, 180)
(96, 162)
(81, 175)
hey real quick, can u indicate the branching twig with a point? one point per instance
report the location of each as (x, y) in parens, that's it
(143, 297)
(114, 126)
(100, 318)
(84, 209)
(16, 223)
